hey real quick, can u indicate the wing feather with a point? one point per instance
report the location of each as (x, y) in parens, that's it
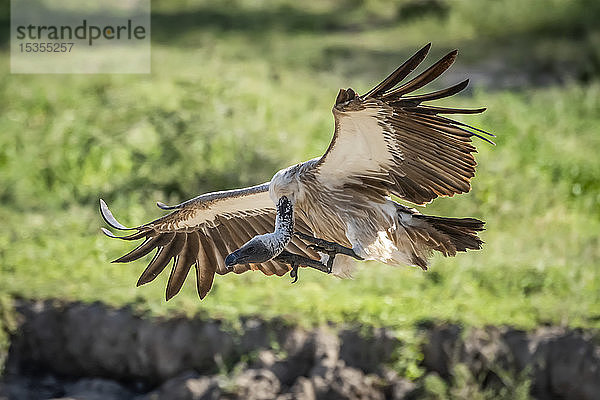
(401, 72)
(439, 94)
(425, 77)
(146, 247)
(221, 241)
(182, 264)
(206, 267)
(201, 232)
(159, 262)
(387, 143)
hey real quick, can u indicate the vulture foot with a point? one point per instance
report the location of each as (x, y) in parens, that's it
(330, 248)
(296, 260)
(294, 273)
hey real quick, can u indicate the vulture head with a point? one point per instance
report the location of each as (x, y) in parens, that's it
(255, 251)
(344, 96)
(347, 100)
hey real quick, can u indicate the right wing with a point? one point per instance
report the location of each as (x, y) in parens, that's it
(202, 232)
(387, 142)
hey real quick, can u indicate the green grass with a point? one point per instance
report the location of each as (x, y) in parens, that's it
(239, 94)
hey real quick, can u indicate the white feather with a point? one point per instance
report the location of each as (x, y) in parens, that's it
(361, 148)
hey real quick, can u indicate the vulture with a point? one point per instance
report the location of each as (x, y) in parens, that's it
(323, 213)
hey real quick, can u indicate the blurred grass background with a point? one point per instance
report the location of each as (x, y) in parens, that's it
(240, 89)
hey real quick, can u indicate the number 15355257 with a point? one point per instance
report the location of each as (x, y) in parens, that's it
(35, 47)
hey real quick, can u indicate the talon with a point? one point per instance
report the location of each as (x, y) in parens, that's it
(296, 260)
(327, 247)
(294, 273)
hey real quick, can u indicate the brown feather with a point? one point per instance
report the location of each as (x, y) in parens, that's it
(158, 263)
(445, 110)
(180, 269)
(221, 250)
(205, 270)
(425, 77)
(415, 100)
(146, 247)
(400, 73)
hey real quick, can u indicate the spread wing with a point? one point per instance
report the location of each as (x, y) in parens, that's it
(201, 232)
(388, 142)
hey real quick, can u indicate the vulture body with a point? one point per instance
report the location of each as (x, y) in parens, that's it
(386, 143)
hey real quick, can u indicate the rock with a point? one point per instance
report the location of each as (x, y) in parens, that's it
(441, 349)
(567, 366)
(187, 386)
(402, 389)
(261, 334)
(30, 388)
(303, 389)
(484, 351)
(307, 354)
(299, 348)
(326, 349)
(297, 344)
(265, 359)
(96, 389)
(397, 388)
(519, 348)
(104, 345)
(342, 382)
(331, 378)
(94, 340)
(367, 352)
(257, 384)
(255, 335)
(561, 363)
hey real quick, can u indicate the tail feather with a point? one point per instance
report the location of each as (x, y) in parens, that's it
(420, 235)
(461, 232)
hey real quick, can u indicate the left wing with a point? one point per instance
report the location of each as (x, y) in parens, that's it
(387, 142)
(201, 232)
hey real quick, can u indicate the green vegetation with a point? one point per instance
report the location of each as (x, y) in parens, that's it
(464, 386)
(238, 91)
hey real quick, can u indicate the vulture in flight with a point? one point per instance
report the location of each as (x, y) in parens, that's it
(386, 143)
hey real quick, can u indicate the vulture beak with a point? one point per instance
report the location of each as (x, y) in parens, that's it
(231, 259)
(254, 251)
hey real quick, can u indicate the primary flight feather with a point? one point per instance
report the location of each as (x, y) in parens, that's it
(385, 143)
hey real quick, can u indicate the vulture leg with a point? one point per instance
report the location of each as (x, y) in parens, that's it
(330, 248)
(296, 260)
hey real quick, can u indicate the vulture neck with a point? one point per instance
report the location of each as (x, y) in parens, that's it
(284, 224)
